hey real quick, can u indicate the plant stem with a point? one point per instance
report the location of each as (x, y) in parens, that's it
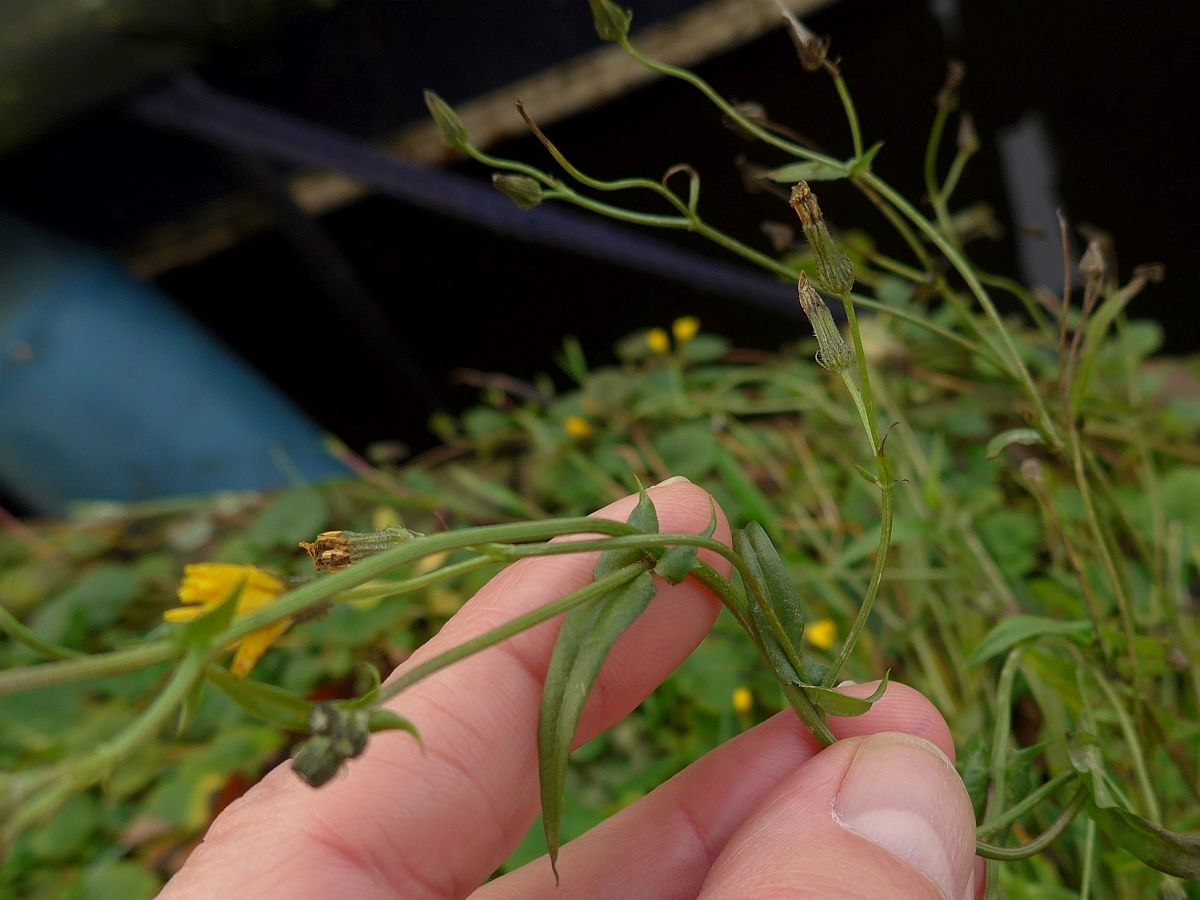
(932, 190)
(1015, 812)
(848, 105)
(81, 772)
(864, 401)
(593, 591)
(1001, 730)
(1039, 843)
(1044, 422)
(116, 662)
(31, 639)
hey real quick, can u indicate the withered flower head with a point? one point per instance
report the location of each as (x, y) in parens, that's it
(835, 272)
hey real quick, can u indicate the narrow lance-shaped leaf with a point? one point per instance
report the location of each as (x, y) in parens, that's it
(588, 633)
(1167, 851)
(761, 557)
(836, 703)
(266, 702)
(1015, 630)
(587, 636)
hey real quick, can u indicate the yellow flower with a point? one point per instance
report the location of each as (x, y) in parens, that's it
(577, 427)
(685, 329)
(206, 586)
(743, 700)
(822, 634)
(658, 341)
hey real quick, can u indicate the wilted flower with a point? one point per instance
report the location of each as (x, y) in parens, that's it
(206, 586)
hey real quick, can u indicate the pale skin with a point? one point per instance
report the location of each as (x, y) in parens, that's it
(764, 815)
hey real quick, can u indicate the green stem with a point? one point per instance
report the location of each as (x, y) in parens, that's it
(1039, 843)
(1000, 735)
(386, 589)
(31, 639)
(82, 668)
(78, 773)
(1136, 756)
(932, 190)
(864, 401)
(314, 592)
(593, 591)
(727, 108)
(1030, 802)
(1045, 424)
(848, 105)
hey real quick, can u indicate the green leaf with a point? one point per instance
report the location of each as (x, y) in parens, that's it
(866, 474)
(644, 518)
(863, 163)
(838, 704)
(110, 878)
(267, 702)
(1167, 851)
(1019, 629)
(288, 519)
(588, 633)
(808, 171)
(386, 720)
(1027, 436)
(973, 767)
(770, 579)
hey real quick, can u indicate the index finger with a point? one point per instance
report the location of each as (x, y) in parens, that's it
(437, 822)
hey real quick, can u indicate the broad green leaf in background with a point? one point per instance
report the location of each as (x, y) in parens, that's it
(288, 519)
(1175, 854)
(1018, 629)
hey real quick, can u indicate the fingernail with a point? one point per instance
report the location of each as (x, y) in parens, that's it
(674, 479)
(903, 795)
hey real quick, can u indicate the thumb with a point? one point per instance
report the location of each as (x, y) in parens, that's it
(884, 815)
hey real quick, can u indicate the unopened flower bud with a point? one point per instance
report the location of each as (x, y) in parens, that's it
(1091, 264)
(333, 550)
(835, 272)
(612, 22)
(833, 353)
(520, 189)
(454, 133)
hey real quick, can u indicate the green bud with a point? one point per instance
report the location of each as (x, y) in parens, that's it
(315, 761)
(968, 138)
(835, 272)
(522, 190)
(833, 353)
(612, 22)
(454, 133)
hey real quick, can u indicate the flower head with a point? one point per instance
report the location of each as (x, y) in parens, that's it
(577, 427)
(742, 700)
(685, 329)
(658, 341)
(822, 634)
(206, 586)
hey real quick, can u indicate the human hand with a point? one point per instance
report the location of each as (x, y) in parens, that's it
(879, 814)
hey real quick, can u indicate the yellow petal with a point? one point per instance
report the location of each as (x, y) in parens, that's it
(180, 614)
(253, 646)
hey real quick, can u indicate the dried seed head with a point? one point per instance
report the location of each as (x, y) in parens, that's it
(333, 550)
(520, 189)
(833, 353)
(968, 138)
(454, 133)
(811, 49)
(835, 272)
(947, 97)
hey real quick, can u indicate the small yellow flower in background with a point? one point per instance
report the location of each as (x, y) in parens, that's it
(822, 634)
(206, 586)
(658, 341)
(577, 427)
(685, 329)
(743, 700)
